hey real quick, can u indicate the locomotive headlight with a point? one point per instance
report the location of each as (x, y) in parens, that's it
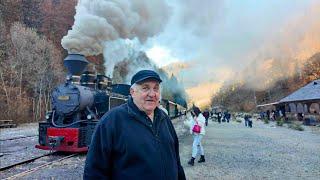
(89, 116)
(48, 115)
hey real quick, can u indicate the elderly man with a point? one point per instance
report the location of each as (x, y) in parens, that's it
(135, 140)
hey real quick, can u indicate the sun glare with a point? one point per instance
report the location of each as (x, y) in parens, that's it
(161, 56)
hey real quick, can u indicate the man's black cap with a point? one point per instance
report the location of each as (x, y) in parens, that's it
(144, 75)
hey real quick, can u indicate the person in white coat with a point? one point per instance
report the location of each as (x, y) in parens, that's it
(197, 148)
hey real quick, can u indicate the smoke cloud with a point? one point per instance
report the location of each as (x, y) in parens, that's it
(226, 41)
(283, 53)
(117, 51)
(98, 21)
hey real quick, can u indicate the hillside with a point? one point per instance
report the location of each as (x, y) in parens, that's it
(244, 95)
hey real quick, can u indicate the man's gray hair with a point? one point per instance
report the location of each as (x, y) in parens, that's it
(135, 87)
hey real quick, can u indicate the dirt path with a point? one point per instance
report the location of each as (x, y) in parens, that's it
(263, 152)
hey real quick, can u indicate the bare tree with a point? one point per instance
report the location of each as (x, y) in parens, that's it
(29, 73)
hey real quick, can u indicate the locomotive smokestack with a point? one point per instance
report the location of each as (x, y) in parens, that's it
(75, 63)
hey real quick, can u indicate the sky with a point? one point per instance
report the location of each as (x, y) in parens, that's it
(213, 40)
(219, 38)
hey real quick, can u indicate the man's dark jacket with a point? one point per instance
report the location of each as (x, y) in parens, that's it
(127, 145)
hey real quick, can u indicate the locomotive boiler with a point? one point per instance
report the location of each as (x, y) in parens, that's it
(77, 106)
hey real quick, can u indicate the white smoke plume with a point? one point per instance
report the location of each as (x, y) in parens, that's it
(98, 21)
(118, 50)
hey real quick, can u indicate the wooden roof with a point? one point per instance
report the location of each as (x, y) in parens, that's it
(310, 91)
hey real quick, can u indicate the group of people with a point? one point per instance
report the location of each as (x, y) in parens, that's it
(273, 114)
(223, 117)
(137, 140)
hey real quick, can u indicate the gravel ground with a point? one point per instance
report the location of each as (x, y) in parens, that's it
(263, 152)
(232, 152)
(20, 131)
(17, 150)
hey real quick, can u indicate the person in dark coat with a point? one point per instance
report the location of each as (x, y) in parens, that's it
(227, 116)
(246, 120)
(135, 140)
(268, 114)
(219, 117)
(206, 116)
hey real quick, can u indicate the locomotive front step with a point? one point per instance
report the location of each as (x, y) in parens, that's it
(55, 141)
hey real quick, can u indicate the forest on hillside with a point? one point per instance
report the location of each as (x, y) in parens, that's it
(244, 94)
(31, 58)
(30, 55)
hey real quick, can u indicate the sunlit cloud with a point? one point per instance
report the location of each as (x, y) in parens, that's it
(161, 56)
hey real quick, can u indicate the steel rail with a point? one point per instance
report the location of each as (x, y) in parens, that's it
(19, 137)
(25, 161)
(39, 167)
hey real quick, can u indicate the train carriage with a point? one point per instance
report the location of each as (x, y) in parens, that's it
(174, 109)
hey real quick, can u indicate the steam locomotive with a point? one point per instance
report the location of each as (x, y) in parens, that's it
(79, 103)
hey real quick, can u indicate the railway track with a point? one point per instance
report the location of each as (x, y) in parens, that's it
(26, 172)
(19, 137)
(24, 162)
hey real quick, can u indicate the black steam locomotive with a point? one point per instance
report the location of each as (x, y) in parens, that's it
(79, 103)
